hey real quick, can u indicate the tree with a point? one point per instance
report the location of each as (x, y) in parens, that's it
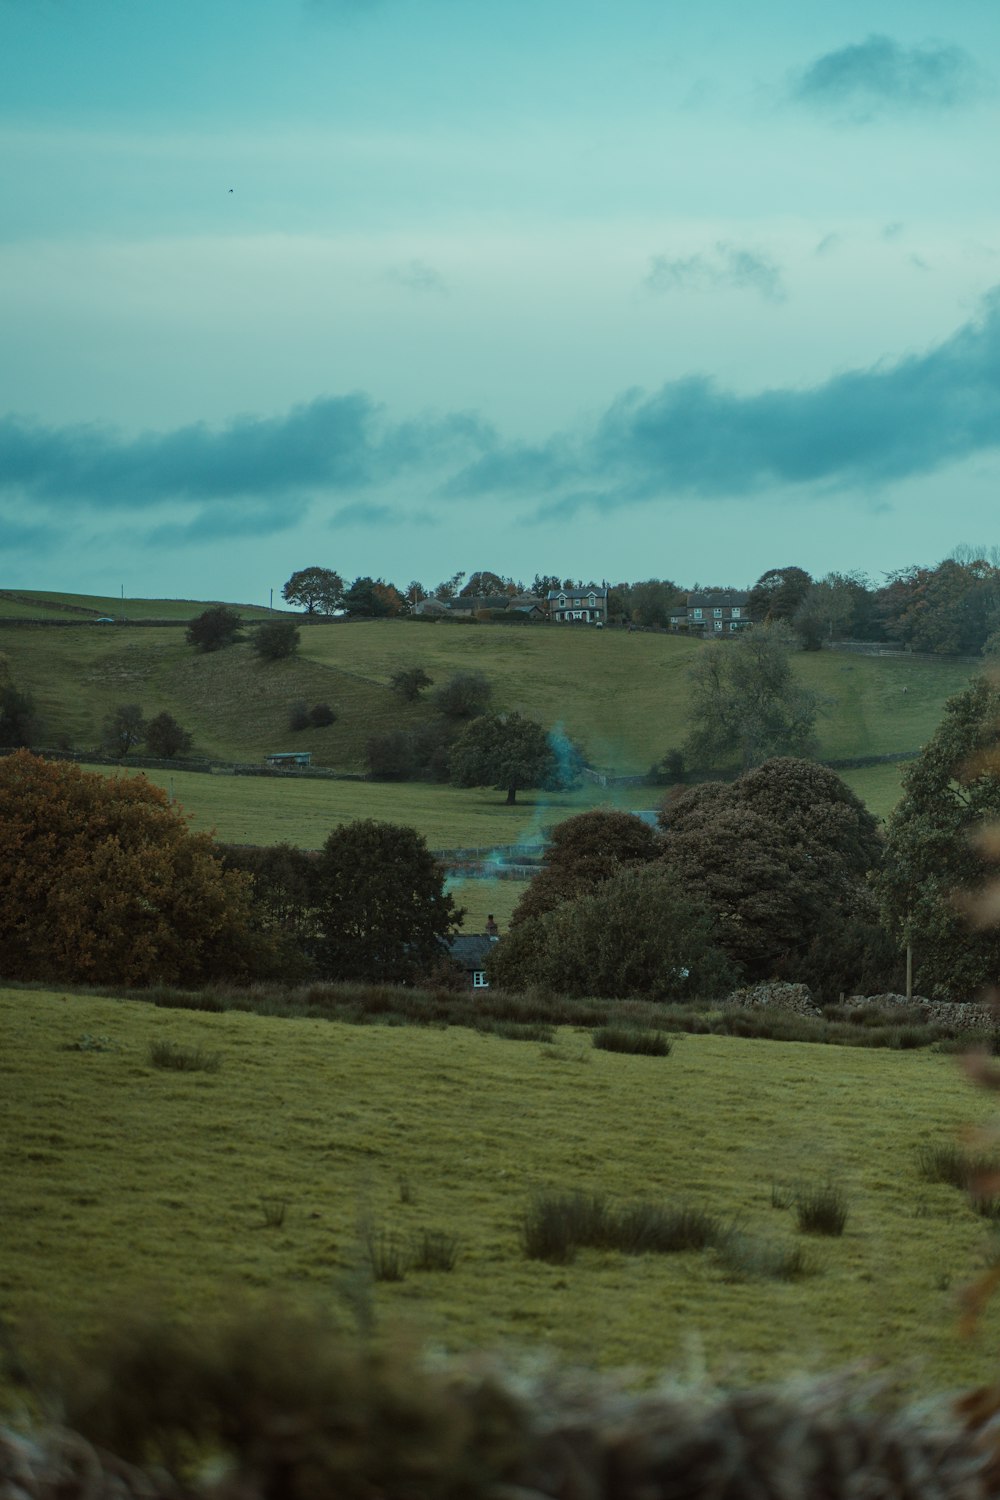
(214, 628)
(583, 852)
(840, 606)
(778, 593)
(950, 610)
(276, 640)
(932, 865)
(321, 716)
(165, 737)
(463, 696)
(782, 857)
(318, 590)
(17, 716)
(650, 603)
(505, 751)
(409, 683)
(372, 598)
(745, 703)
(124, 728)
(382, 910)
(485, 583)
(103, 882)
(640, 933)
(281, 883)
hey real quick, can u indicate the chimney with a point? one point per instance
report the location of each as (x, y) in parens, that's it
(492, 930)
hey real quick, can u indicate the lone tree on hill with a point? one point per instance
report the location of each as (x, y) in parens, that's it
(214, 628)
(165, 737)
(511, 753)
(318, 590)
(934, 864)
(124, 728)
(382, 910)
(102, 881)
(745, 702)
(276, 640)
(409, 683)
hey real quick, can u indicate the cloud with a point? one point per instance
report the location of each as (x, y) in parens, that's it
(828, 244)
(724, 265)
(334, 443)
(229, 524)
(363, 514)
(417, 276)
(862, 428)
(878, 75)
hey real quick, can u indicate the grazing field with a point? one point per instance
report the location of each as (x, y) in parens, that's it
(312, 1141)
(40, 604)
(624, 697)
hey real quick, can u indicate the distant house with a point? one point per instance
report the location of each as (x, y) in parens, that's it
(587, 606)
(288, 760)
(465, 606)
(723, 613)
(470, 951)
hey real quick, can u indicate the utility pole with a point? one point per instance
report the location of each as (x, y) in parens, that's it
(909, 971)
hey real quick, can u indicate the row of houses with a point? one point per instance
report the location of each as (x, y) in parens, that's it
(723, 612)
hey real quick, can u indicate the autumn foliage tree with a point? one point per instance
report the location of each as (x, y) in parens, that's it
(103, 882)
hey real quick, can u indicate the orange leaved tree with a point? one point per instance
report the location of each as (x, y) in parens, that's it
(103, 882)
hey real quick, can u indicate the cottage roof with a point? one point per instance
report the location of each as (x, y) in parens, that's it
(479, 601)
(723, 597)
(585, 593)
(471, 949)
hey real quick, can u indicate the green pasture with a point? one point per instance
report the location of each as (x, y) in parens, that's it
(123, 1184)
(40, 604)
(624, 697)
(274, 810)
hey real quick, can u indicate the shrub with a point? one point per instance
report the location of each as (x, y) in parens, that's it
(822, 1210)
(409, 683)
(165, 737)
(123, 728)
(214, 628)
(298, 715)
(554, 1224)
(643, 1043)
(276, 640)
(321, 715)
(464, 696)
(172, 1057)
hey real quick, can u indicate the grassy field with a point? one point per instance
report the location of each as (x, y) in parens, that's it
(625, 697)
(123, 1182)
(39, 604)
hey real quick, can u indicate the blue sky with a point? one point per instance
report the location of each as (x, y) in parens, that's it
(611, 290)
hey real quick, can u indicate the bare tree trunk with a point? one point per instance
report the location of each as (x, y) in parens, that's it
(511, 795)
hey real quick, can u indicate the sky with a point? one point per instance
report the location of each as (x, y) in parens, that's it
(608, 289)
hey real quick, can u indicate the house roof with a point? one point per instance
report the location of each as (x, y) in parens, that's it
(722, 597)
(471, 949)
(479, 601)
(576, 593)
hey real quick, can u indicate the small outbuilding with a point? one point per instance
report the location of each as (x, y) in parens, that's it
(288, 760)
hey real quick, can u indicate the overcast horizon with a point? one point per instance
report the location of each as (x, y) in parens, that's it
(403, 287)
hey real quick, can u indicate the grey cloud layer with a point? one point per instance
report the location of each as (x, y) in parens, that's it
(878, 74)
(690, 438)
(724, 265)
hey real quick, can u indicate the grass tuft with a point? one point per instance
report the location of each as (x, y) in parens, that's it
(435, 1250)
(746, 1259)
(274, 1210)
(172, 1057)
(822, 1210)
(556, 1225)
(386, 1255)
(641, 1043)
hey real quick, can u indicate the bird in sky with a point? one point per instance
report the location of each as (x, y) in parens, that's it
(230, 189)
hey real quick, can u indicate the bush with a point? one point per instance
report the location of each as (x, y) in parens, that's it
(298, 715)
(165, 738)
(276, 640)
(643, 1043)
(321, 715)
(123, 729)
(409, 683)
(554, 1224)
(464, 696)
(215, 628)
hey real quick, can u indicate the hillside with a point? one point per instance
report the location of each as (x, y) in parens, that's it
(623, 696)
(388, 1132)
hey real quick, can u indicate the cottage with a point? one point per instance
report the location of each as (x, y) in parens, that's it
(588, 606)
(471, 951)
(723, 613)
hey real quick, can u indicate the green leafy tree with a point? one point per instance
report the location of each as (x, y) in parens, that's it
(778, 594)
(103, 882)
(124, 728)
(215, 628)
(317, 590)
(373, 598)
(650, 603)
(276, 640)
(639, 933)
(746, 705)
(321, 716)
(782, 857)
(409, 683)
(505, 751)
(463, 696)
(165, 737)
(382, 910)
(583, 852)
(932, 861)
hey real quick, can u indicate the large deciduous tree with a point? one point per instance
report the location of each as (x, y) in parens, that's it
(124, 728)
(583, 852)
(316, 590)
(103, 882)
(510, 752)
(165, 737)
(463, 696)
(782, 857)
(382, 909)
(778, 593)
(639, 933)
(932, 862)
(746, 705)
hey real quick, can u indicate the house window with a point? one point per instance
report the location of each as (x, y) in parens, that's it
(736, 611)
(717, 613)
(697, 614)
(718, 624)
(479, 980)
